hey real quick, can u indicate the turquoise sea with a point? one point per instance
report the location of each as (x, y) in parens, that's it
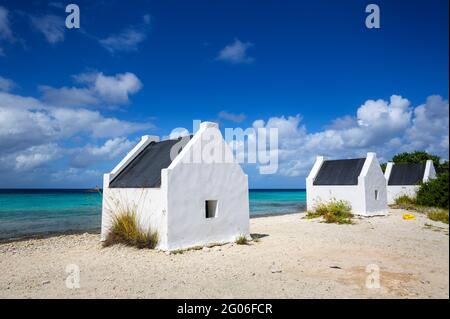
(40, 211)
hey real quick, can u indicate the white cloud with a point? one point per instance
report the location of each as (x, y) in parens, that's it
(76, 121)
(6, 33)
(386, 127)
(99, 89)
(115, 89)
(430, 125)
(177, 133)
(5, 27)
(51, 26)
(73, 174)
(128, 39)
(342, 123)
(26, 124)
(29, 158)
(38, 138)
(236, 118)
(110, 150)
(394, 115)
(36, 156)
(6, 84)
(56, 5)
(68, 96)
(146, 18)
(236, 53)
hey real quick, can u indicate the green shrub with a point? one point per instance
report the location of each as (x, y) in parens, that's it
(338, 212)
(442, 168)
(125, 230)
(416, 157)
(434, 193)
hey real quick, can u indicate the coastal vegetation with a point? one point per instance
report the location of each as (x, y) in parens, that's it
(434, 192)
(242, 240)
(433, 213)
(405, 202)
(334, 211)
(182, 251)
(438, 215)
(125, 230)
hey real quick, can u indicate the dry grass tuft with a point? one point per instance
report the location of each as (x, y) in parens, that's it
(405, 202)
(242, 240)
(125, 230)
(438, 214)
(433, 213)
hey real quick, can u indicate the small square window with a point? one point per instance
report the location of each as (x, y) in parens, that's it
(376, 194)
(210, 208)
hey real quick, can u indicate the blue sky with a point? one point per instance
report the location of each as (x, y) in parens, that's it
(72, 102)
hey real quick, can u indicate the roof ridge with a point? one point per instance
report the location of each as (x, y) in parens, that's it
(345, 159)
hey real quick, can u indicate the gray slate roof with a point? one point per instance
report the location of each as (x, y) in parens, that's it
(144, 171)
(407, 174)
(340, 172)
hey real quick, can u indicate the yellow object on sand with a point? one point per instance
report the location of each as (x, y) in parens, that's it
(408, 216)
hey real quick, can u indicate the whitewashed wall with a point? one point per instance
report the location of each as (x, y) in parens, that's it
(322, 194)
(191, 184)
(395, 191)
(373, 180)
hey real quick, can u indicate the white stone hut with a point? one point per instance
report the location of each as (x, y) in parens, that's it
(190, 190)
(405, 178)
(358, 181)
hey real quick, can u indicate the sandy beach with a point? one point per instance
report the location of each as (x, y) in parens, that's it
(294, 258)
